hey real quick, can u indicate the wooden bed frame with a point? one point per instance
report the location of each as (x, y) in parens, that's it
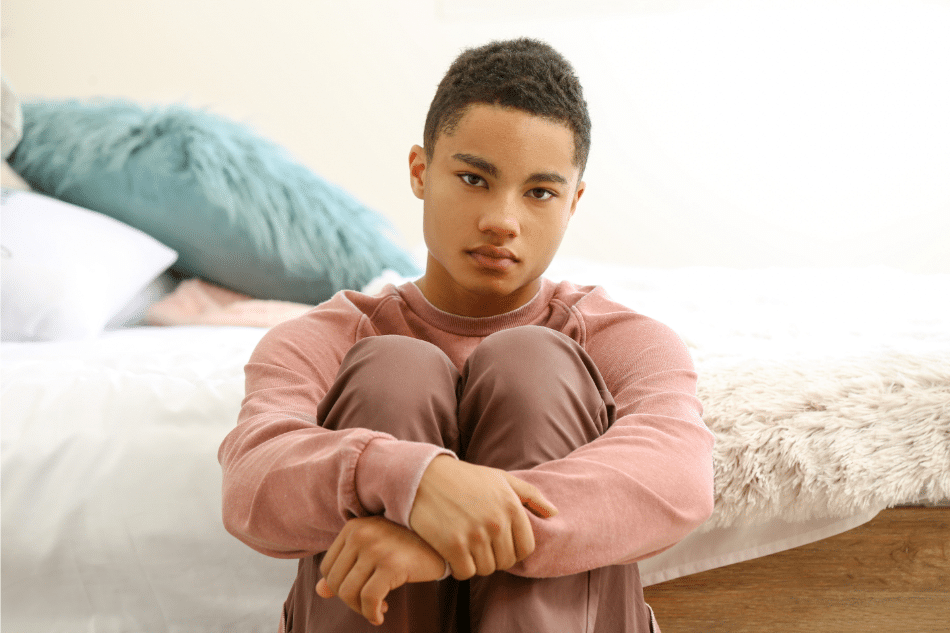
(890, 574)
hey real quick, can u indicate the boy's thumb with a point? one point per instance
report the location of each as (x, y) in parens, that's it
(531, 498)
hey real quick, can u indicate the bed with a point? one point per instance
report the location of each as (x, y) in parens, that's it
(828, 391)
(111, 489)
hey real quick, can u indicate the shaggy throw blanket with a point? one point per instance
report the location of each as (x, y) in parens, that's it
(827, 437)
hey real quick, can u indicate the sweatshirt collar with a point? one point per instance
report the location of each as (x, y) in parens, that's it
(477, 326)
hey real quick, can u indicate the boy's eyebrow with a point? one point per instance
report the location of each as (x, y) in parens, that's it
(547, 176)
(478, 163)
(490, 169)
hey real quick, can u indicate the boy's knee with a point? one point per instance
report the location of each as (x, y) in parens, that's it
(396, 356)
(534, 361)
(529, 348)
(397, 385)
(398, 368)
(531, 395)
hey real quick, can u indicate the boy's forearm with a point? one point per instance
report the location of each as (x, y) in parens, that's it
(608, 516)
(289, 486)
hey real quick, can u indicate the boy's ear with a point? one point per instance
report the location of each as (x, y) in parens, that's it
(417, 170)
(581, 187)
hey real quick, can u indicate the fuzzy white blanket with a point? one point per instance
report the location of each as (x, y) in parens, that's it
(812, 437)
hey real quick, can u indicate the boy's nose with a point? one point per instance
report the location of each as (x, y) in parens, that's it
(500, 219)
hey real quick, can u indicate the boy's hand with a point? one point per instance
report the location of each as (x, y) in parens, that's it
(474, 516)
(369, 558)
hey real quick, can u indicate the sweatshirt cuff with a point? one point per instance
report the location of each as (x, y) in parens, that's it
(388, 474)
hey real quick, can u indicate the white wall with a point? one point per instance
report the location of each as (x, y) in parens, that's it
(741, 134)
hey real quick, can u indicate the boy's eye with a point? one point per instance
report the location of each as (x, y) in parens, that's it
(473, 180)
(540, 194)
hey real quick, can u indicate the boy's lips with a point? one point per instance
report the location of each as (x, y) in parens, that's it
(493, 257)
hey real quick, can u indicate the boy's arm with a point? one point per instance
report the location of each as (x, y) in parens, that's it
(648, 481)
(289, 486)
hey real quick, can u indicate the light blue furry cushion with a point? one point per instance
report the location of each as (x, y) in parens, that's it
(237, 208)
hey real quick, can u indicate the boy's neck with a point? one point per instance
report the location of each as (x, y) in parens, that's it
(453, 299)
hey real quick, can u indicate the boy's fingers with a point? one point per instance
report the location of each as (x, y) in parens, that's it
(341, 570)
(330, 557)
(373, 607)
(483, 555)
(322, 589)
(506, 548)
(522, 536)
(353, 588)
(463, 566)
(383, 608)
(373, 596)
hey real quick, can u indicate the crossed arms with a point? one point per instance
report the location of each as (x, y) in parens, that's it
(471, 516)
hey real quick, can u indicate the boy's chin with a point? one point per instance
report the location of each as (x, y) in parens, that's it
(507, 289)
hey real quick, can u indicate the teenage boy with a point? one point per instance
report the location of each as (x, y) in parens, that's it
(481, 449)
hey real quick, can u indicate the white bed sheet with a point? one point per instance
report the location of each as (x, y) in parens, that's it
(111, 487)
(702, 551)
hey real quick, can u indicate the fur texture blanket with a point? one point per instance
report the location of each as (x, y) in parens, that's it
(814, 437)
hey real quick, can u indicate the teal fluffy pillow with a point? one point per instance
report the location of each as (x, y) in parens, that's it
(237, 208)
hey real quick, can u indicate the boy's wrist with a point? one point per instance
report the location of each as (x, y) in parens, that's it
(388, 474)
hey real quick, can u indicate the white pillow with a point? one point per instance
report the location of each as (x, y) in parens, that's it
(68, 270)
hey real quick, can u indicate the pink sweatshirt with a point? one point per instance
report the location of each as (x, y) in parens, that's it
(290, 485)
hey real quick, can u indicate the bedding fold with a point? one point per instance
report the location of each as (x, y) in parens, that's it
(198, 302)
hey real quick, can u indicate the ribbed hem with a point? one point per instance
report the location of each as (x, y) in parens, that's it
(388, 475)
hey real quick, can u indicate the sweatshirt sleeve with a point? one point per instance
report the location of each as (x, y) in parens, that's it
(648, 481)
(289, 485)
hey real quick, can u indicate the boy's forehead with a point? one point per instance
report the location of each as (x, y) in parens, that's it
(493, 128)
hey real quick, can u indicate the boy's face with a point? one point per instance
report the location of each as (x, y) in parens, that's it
(498, 194)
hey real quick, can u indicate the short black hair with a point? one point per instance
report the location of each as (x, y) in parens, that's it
(523, 73)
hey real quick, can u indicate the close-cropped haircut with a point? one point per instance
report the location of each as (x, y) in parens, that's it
(525, 74)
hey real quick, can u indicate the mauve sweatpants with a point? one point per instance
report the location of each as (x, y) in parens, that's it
(526, 396)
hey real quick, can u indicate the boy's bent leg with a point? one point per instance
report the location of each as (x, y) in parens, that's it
(397, 385)
(533, 395)
(407, 388)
